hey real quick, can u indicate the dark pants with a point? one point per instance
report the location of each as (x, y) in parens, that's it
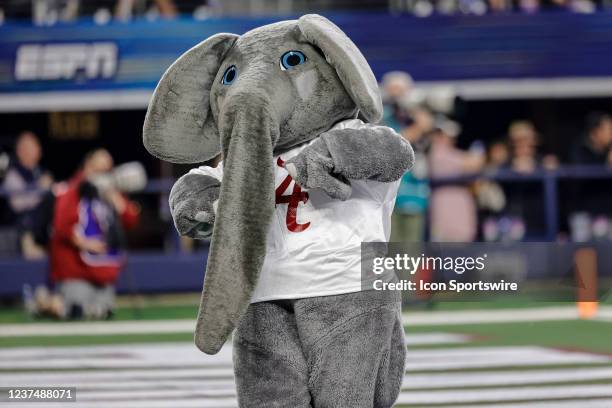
(331, 351)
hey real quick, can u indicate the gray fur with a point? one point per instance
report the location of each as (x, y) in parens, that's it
(349, 62)
(191, 204)
(287, 352)
(238, 246)
(179, 127)
(339, 155)
(313, 168)
(265, 111)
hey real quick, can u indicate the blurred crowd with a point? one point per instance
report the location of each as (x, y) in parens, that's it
(425, 8)
(454, 193)
(455, 209)
(45, 12)
(79, 224)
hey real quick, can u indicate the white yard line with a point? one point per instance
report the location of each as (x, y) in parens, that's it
(203, 379)
(110, 376)
(491, 316)
(505, 394)
(232, 403)
(432, 338)
(504, 378)
(178, 375)
(144, 403)
(164, 326)
(185, 355)
(502, 361)
(605, 314)
(574, 403)
(225, 387)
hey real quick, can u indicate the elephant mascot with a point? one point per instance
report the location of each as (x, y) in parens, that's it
(305, 178)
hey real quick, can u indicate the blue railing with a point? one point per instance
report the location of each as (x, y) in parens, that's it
(174, 272)
(549, 180)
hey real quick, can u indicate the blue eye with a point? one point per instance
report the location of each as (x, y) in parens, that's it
(292, 59)
(229, 75)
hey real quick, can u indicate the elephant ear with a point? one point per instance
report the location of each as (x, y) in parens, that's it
(179, 126)
(349, 63)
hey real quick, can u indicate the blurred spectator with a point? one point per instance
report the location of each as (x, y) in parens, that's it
(590, 209)
(49, 12)
(529, 6)
(166, 8)
(87, 245)
(524, 139)
(396, 89)
(126, 8)
(24, 176)
(500, 5)
(596, 144)
(497, 154)
(489, 194)
(523, 142)
(522, 214)
(46, 12)
(412, 124)
(453, 208)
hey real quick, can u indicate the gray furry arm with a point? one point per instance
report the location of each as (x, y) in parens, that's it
(367, 153)
(191, 204)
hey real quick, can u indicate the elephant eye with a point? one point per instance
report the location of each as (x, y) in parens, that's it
(292, 59)
(229, 75)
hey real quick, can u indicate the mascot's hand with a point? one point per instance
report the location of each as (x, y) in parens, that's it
(192, 204)
(313, 168)
(352, 151)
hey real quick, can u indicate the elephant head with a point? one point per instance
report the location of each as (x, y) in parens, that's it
(250, 97)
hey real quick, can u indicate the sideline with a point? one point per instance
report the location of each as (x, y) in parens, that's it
(422, 318)
(431, 318)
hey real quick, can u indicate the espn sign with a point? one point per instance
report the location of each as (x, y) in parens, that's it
(65, 61)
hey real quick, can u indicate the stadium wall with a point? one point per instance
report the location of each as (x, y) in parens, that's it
(116, 66)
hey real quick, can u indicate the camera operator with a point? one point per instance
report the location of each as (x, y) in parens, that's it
(87, 244)
(403, 112)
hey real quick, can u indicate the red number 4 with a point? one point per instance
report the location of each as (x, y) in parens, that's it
(293, 200)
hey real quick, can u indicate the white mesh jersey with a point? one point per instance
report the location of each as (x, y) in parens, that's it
(314, 242)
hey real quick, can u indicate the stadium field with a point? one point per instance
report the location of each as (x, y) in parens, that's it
(528, 358)
(141, 139)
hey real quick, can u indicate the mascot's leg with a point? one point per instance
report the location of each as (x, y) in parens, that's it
(269, 365)
(355, 349)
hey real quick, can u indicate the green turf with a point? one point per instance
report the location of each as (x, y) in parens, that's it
(188, 311)
(150, 312)
(591, 335)
(573, 334)
(153, 309)
(23, 341)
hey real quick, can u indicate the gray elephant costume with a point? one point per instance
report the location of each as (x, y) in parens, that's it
(302, 183)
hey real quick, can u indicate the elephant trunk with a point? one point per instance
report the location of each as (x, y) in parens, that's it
(246, 206)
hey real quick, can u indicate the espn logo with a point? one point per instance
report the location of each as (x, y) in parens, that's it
(65, 61)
